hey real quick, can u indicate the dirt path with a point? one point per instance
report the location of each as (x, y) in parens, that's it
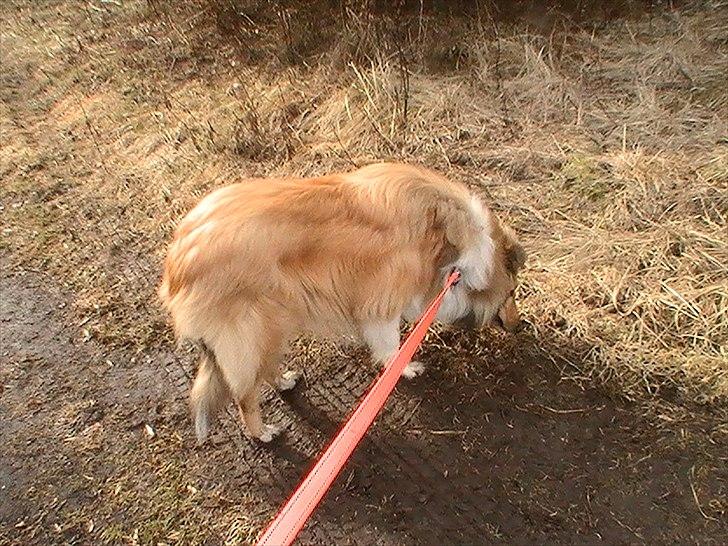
(114, 119)
(505, 454)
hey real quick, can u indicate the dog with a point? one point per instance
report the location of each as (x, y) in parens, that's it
(258, 263)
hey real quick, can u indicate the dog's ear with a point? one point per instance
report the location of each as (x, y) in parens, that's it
(448, 254)
(515, 253)
(453, 227)
(516, 258)
(456, 225)
(466, 238)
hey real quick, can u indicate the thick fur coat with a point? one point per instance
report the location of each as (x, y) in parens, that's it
(258, 263)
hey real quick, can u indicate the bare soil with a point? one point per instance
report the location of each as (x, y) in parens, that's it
(601, 137)
(500, 452)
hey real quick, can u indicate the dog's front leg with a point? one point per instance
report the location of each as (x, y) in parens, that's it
(277, 376)
(382, 337)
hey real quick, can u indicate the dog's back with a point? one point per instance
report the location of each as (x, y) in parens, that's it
(260, 262)
(295, 246)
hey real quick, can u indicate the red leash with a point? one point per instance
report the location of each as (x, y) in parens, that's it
(293, 515)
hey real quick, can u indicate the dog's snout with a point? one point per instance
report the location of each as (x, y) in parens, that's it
(514, 328)
(508, 317)
(510, 326)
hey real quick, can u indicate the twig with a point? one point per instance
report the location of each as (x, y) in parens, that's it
(94, 136)
(695, 496)
(625, 526)
(564, 411)
(407, 419)
(447, 432)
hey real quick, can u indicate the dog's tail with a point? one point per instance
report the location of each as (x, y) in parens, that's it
(209, 393)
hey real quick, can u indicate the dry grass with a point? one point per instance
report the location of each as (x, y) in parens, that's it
(604, 144)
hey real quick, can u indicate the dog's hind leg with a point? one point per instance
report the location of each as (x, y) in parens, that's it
(241, 363)
(249, 407)
(272, 371)
(287, 380)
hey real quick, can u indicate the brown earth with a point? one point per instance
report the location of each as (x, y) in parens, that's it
(500, 450)
(601, 140)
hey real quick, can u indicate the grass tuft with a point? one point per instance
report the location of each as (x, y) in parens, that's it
(603, 141)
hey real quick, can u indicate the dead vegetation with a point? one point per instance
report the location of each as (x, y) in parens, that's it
(600, 134)
(602, 141)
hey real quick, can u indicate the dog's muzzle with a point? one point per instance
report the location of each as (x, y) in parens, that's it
(508, 317)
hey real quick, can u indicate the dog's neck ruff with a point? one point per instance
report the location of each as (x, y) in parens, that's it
(476, 262)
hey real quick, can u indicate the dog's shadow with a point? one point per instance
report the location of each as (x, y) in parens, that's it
(419, 464)
(499, 440)
(303, 409)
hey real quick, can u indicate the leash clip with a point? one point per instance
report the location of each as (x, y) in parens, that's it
(458, 278)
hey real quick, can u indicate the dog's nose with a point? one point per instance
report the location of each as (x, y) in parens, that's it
(514, 327)
(508, 326)
(511, 327)
(508, 316)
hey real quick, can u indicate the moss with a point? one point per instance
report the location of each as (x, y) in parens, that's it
(588, 177)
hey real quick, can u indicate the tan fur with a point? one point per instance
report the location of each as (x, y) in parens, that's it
(261, 262)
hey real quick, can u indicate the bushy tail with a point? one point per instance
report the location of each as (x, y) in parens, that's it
(209, 394)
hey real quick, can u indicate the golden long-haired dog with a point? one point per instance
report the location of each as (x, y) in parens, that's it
(258, 263)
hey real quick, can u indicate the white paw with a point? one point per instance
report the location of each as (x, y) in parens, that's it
(269, 432)
(413, 369)
(288, 380)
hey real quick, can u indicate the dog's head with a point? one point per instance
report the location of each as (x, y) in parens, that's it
(496, 304)
(489, 268)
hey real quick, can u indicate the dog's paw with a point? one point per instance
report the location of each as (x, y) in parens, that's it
(269, 432)
(288, 380)
(413, 369)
